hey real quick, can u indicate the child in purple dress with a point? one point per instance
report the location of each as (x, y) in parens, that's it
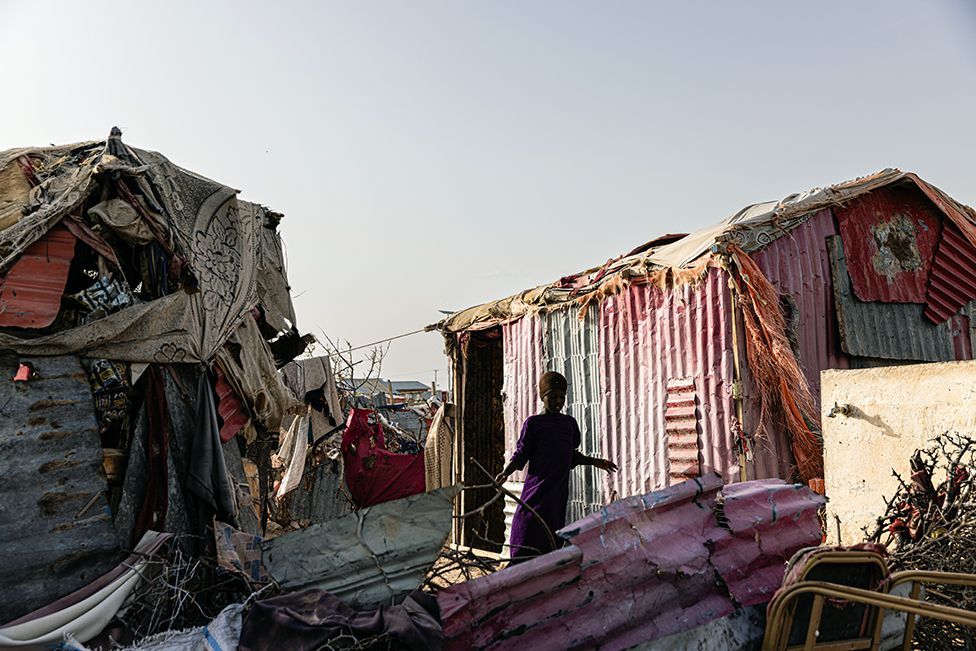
(548, 444)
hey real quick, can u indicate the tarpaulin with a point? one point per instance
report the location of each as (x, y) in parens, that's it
(373, 473)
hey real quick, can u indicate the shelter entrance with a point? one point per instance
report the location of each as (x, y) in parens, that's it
(481, 438)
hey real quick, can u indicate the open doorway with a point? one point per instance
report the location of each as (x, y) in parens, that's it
(481, 436)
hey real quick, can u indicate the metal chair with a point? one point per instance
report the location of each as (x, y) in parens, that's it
(818, 608)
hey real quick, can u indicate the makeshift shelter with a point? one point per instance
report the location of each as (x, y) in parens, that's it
(702, 352)
(144, 312)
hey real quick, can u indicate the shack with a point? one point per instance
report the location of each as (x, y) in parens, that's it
(144, 313)
(702, 352)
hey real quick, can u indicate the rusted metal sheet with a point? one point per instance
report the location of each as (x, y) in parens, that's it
(31, 290)
(570, 347)
(798, 265)
(369, 557)
(890, 236)
(884, 330)
(641, 569)
(681, 426)
(56, 531)
(646, 337)
(524, 365)
(320, 496)
(952, 283)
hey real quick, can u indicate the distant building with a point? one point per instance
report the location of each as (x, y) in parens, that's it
(409, 391)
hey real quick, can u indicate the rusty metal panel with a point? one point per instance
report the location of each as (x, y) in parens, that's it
(31, 290)
(523, 366)
(681, 424)
(952, 283)
(640, 569)
(56, 531)
(884, 330)
(570, 347)
(647, 336)
(890, 236)
(798, 266)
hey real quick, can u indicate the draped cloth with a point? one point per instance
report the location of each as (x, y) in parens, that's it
(223, 239)
(373, 473)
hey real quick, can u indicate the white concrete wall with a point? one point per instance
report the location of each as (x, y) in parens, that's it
(897, 409)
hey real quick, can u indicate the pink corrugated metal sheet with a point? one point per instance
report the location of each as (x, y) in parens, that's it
(524, 365)
(798, 264)
(640, 569)
(648, 337)
(952, 283)
(890, 236)
(30, 291)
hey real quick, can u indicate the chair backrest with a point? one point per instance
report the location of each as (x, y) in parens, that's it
(858, 566)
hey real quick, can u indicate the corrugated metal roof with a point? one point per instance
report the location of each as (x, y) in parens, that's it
(640, 569)
(31, 290)
(952, 283)
(884, 330)
(752, 228)
(570, 347)
(890, 236)
(647, 337)
(56, 531)
(368, 557)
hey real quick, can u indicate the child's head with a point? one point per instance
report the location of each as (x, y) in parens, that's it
(552, 388)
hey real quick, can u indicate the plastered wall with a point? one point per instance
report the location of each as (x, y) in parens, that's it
(895, 410)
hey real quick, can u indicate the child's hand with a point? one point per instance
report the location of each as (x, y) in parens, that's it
(606, 464)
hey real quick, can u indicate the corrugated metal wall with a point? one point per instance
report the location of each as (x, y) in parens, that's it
(524, 364)
(648, 336)
(570, 347)
(798, 264)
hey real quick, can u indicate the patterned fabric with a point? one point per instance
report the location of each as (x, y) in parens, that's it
(239, 552)
(223, 241)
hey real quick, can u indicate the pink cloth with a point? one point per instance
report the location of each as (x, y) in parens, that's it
(373, 473)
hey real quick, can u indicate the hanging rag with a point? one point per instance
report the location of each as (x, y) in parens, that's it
(208, 473)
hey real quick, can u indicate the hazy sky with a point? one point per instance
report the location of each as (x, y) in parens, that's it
(433, 155)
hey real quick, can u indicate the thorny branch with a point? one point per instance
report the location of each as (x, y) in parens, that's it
(932, 527)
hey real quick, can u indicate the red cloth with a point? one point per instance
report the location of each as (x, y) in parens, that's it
(373, 473)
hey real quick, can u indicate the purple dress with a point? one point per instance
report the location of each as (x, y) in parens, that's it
(548, 444)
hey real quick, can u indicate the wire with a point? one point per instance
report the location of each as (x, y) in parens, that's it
(375, 343)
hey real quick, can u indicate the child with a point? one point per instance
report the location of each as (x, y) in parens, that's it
(548, 444)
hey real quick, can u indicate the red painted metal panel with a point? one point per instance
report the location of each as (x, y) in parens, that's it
(31, 290)
(798, 265)
(640, 569)
(230, 408)
(952, 282)
(524, 365)
(648, 336)
(890, 236)
(681, 427)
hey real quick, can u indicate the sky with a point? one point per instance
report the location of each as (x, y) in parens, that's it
(436, 155)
